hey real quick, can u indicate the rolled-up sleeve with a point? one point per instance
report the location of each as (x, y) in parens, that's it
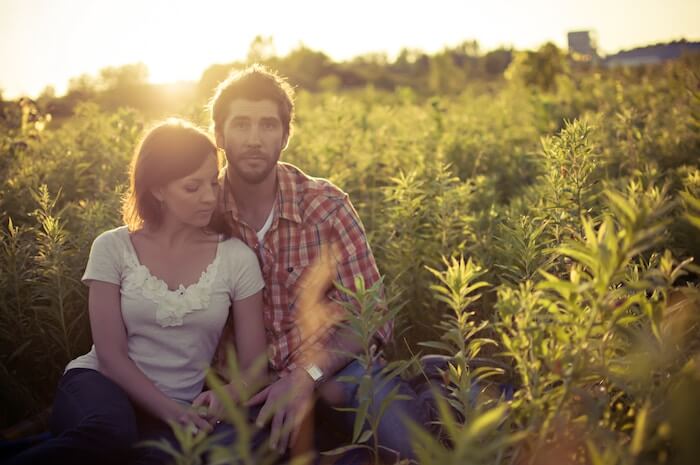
(355, 259)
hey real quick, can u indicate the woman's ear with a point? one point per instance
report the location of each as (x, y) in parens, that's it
(157, 193)
(219, 140)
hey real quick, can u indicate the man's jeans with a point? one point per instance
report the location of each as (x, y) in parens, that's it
(393, 432)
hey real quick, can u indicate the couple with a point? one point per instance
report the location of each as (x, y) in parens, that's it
(163, 285)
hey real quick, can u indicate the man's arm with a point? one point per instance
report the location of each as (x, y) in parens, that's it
(330, 346)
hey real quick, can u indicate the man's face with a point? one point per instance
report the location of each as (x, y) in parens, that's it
(253, 138)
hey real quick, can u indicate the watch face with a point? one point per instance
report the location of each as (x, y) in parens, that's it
(314, 371)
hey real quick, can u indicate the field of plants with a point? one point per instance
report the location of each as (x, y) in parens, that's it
(546, 232)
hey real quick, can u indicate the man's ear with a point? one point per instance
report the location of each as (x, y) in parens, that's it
(285, 141)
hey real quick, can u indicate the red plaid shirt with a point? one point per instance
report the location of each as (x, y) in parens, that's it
(309, 213)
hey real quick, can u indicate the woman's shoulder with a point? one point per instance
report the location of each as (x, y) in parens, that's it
(241, 267)
(116, 237)
(122, 230)
(235, 246)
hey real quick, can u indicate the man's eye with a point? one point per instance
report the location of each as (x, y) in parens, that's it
(191, 189)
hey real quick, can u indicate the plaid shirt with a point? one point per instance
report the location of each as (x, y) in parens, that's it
(309, 213)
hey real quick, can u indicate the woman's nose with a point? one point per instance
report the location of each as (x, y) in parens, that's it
(210, 195)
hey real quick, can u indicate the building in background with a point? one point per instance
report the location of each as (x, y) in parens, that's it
(583, 43)
(652, 54)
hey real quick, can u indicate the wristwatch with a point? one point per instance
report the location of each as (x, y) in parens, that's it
(314, 371)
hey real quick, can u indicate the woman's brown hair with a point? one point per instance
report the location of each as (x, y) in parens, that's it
(170, 150)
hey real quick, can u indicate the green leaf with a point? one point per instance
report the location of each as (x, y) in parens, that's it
(343, 449)
(364, 437)
(437, 345)
(593, 453)
(640, 427)
(580, 255)
(620, 203)
(485, 422)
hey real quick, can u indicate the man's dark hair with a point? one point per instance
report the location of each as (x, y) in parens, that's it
(255, 82)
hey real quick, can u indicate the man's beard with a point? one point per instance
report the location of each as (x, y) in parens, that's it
(250, 177)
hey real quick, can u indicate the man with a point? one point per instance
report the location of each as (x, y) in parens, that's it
(289, 219)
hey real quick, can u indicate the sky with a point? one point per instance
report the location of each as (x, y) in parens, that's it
(47, 42)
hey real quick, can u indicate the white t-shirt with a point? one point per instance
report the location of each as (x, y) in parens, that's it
(266, 227)
(171, 335)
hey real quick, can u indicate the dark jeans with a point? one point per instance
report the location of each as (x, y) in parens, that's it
(94, 422)
(392, 432)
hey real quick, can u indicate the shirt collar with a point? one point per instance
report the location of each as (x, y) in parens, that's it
(287, 194)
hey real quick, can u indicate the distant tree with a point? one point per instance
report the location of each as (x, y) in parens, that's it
(372, 58)
(411, 68)
(305, 67)
(540, 68)
(349, 77)
(373, 68)
(211, 77)
(126, 86)
(123, 77)
(497, 61)
(261, 50)
(330, 83)
(82, 87)
(469, 47)
(405, 59)
(445, 77)
(45, 100)
(48, 93)
(466, 57)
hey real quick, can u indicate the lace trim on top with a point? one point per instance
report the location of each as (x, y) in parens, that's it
(172, 305)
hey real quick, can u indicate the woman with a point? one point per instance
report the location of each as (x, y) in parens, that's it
(160, 291)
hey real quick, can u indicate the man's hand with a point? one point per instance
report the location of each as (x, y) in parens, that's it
(290, 399)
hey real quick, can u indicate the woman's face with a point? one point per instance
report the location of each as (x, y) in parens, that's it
(191, 200)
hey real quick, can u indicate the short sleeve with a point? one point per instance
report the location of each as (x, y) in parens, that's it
(247, 278)
(105, 260)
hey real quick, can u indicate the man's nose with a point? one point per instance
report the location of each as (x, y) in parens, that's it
(254, 137)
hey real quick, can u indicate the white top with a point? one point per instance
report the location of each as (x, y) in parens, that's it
(171, 335)
(266, 227)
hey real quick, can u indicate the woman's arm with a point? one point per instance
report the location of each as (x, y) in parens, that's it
(109, 337)
(251, 343)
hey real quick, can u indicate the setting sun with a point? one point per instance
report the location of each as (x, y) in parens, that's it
(45, 42)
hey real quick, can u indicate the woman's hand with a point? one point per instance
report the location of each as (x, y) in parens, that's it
(188, 417)
(214, 407)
